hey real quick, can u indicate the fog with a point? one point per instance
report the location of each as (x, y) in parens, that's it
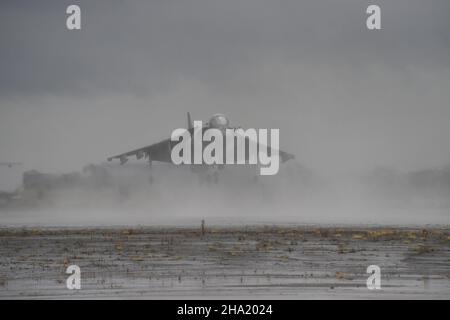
(134, 194)
(346, 100)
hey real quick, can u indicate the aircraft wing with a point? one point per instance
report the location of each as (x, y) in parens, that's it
(285, 156)
(161, 151)
(158, 152)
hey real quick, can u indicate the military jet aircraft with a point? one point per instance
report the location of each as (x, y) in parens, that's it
(161, 151)
(10, 164)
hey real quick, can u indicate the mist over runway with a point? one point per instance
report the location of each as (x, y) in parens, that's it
(133, 194)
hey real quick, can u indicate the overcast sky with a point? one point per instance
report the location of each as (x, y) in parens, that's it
(345, 98)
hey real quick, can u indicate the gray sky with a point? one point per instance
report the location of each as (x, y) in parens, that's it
(345, 98)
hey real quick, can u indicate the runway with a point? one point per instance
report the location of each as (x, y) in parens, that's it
(254, 262)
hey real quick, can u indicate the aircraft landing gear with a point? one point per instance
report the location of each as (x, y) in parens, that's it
(208, 179)
(150, 178)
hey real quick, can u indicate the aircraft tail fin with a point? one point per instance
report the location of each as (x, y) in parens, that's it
(189, 120)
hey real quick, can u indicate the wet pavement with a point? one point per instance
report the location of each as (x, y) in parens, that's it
(261, 262)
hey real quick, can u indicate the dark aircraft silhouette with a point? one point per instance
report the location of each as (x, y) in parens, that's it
(161, 151)
(10, 164)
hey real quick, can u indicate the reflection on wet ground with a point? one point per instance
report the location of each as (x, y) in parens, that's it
(225, 262)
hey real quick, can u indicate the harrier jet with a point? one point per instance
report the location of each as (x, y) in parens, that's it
(161, 151)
